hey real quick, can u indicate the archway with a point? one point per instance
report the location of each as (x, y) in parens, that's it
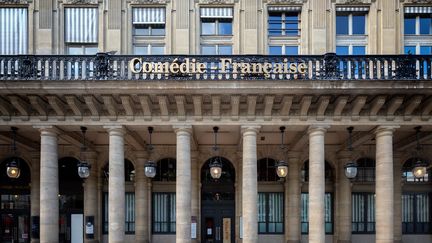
(218, 203)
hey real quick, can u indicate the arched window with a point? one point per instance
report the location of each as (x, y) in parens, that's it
(267, 170)
(366, 170)
(407, 174)
(166, 170)
(328, 172)
(22, 181)
(129, 170)
(227, 176)
(15, 193)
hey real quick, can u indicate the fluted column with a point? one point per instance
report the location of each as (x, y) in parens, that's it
(316, 184)
(384, 185)
(195, 170)
(49, 186)
(344, 219)
(397, 198)
(116, 185)
(141, 199)
(35, 191)
(250, 184)
(183, 184)
(293, 200)
(91, 208)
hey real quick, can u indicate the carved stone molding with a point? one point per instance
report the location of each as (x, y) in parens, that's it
(353, 1)
(15, 1)
(285, 1)
(420, 1)
(80, 1)
(216, 1)
(150, 1)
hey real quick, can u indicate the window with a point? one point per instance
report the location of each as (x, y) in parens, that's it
(216, 31)
(81, 30)
(407, 174)
(216, 26)
(283, 30)
(351, 38)
(267, 170)
(270, 213)
(283, 24)
(283, 50)
(305, 172)
(13, 31)
(366, 170)
(164, 213)
(216, 50)
(328, 209)
(148, 31)
(129, 213)
(350, 23)
(418, 30)
(363, 213)
(165, 170)
(416, 213)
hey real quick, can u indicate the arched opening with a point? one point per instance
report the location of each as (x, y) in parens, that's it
(165, 170)
(329, 177)
(15, 203)
(408, 175)
(218, 203)
(267, 170)
(366, 170)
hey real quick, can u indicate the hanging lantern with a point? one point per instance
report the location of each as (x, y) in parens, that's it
(282, 169)
(13, 170)
(215, 169)
(351, 169)
(84, 170)
(150, 169)
(420, 167)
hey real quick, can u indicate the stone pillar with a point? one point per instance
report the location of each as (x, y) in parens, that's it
(293, 199)
(389, 27)
(384, 213)
(195, 203)
(35, 190)
(344, 198)
(141, 199)
(397, 198)
(49, 186)
(316, 184)
(318, 27)
(183, 184)
(116, 185)
(91, 196)
(250, 184)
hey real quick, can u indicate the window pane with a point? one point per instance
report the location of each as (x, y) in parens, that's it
(425, 25)
(425, 50)
(225, 28)
(342, 25)
(208, 27)
(410, 23)
(157, 50)
(141, 50)
(291, 24)
(358, 27)
(141, 30)
(359, 50)
(276, 213)
(158, 30)
(328, 209)
(410, 50)
(275, 24)
(291, 50)
(208, 50)
(130, 212)
(275, 50)
(225, 50)
(262, 212)
(342, 50)
(90, 50)
(75, 51)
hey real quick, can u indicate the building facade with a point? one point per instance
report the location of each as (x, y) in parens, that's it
(183, 67)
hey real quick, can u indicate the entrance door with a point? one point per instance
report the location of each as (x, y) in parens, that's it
(218, 224)
(71, 228)
(14, 228)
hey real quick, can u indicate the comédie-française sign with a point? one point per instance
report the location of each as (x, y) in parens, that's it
(224, 66)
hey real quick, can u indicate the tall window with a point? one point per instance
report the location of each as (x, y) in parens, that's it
(416, 213)
(418, 30)
(129, 213)
(351, 36)
(363, 213)
(81, 31)
(328, 209)
(283, 30)
(216, 31)
(164, 213)
(13, 31)
(148, 27)
(408, 176)
(270, 213)
(267, 170)
(165, 170)
(366, 170)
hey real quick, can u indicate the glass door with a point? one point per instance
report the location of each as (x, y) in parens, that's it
(14, 228)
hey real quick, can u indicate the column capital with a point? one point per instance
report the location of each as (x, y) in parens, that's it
(116, 130)
(182, 129)
(317, 129)
(48, 130)
(385, 130)
(246, 129)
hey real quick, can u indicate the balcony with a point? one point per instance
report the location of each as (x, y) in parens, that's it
(103, 66)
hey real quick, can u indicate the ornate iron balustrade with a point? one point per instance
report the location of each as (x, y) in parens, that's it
(116, 67)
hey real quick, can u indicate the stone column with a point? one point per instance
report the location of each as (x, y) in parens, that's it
(293, 199)
(141, 199)
(384, 213)
(397, 198)
(316, 184)
(250, 184)
(35, 191)
(195, 203)
(344, 219)
(183, 184)
(116, 185)
(49, 186)
(91, 196)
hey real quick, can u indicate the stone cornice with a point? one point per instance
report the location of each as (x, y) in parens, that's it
(222, 2)
(417, 1)
(150, 1)
(353, 2)
(15, 2)
(284, 1)
(80, 1)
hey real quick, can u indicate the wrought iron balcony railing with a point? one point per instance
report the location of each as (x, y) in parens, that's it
(103, 66)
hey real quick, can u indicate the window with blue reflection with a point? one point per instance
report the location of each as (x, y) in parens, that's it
(410, 50)
(425, 50)
(157, 50)
(208, 27)
(225, 50)
(342, 24)
(291, 50)
(410, 25)
(275, 24)
(140, 50)
(225, 27)
(359, 50)
(358, 24)
(425, 25)
(291, 24)
(208, 50)
(275, 50)
(342, 50)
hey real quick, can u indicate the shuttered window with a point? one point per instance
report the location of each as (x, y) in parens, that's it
(363, 213)
(13, 31)
(164, 213)
(328, 216)
(81, 25)
(270, 213)
(129, 213)
(416, 213)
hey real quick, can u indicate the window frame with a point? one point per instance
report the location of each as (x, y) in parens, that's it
(168, 210)
(149, 47)
(217, 21)
(365, 210)
(284, 22)
(267, 214)
(417, 39)
(83, 46)
(217, 48)
(415, 214)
